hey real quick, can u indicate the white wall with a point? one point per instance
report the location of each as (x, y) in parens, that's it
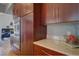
(5, 20)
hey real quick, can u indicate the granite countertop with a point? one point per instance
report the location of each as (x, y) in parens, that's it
(58, 46)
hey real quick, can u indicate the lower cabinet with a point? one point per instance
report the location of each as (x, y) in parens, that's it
(41, 51)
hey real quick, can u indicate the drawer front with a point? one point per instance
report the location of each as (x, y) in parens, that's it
(38, 50)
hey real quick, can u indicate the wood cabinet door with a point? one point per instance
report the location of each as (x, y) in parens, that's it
(40, 27)
(62, 12)
(42, 51)
(22, 9)
(54, 13)
(27, 34)
(39, 52)
(26, 8)
(70, 12)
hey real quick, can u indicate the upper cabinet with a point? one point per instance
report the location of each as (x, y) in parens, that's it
(22, 9)
(70, 12)
(62, 12)
(54, 12)
(26, 8)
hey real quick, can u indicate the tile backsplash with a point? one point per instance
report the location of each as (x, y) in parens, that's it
(59, 30)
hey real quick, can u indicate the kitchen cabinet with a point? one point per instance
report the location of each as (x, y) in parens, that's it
(25, 14)
(54, 13)
(19, 10)
(62, 12)
(27, 34)
(22, 9)
(70, 12)
(41, 51)
(32, 29)
(26, 8)
(32, 25)
(40, 27)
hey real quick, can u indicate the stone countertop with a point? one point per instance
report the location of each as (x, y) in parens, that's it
(58, 46)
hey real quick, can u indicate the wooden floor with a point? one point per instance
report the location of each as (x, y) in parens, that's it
(5, 48)
(11, 54)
